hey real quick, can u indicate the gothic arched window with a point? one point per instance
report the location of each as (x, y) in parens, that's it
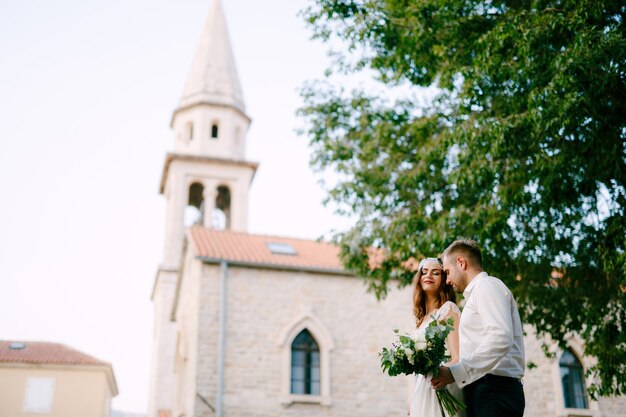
(214, 131)
(573, 381)
(305, 365)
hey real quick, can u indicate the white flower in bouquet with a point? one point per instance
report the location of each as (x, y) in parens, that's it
(420, 341)
(410, 355)
(422, 354)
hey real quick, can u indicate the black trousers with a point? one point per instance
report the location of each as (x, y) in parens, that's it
(494, 396)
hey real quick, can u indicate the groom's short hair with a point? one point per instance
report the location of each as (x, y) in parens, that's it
(469, 248)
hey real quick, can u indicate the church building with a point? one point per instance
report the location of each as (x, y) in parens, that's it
(267, 326)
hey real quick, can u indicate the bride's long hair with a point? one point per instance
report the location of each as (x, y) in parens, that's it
(445, 293)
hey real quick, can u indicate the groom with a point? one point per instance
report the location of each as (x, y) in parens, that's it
(491, 353)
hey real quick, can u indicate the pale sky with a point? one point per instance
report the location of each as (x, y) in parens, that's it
(87, 89)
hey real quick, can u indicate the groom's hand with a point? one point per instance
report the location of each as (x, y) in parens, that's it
(445, 377)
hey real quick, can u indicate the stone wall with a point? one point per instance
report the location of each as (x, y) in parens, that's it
(542, 384)
(264, 305)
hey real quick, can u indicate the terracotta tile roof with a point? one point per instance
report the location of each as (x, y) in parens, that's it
(245, 248)
(44, 353)
(165, 413)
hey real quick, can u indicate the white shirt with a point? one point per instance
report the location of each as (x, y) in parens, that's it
(490, 333)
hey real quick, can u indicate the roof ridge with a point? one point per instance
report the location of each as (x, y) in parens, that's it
(46, 352)
(253, 249)
(301, 239)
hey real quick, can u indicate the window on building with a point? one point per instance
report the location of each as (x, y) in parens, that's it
(572, 378)
(39, 395)
(305, 365)
(281, 248)
(189, 131)
(214, 131)
(237, 137)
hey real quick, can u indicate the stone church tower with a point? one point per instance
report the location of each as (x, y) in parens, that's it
(205, 177)
(267, 326)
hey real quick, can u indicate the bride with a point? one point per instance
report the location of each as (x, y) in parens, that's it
(432, 296)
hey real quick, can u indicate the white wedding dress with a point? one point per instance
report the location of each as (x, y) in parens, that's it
(424, 399)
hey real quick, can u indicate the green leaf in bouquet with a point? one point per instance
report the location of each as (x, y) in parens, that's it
(405, 340)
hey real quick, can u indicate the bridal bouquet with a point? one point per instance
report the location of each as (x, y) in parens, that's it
(423, 355)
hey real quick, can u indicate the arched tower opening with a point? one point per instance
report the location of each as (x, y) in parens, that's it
(194, 210)
(221, 215)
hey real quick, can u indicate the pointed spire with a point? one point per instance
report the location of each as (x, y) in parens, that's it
(213, 77)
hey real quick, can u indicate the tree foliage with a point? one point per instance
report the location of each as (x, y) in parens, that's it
(523, 149)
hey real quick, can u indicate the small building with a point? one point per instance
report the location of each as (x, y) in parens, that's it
(54, 380)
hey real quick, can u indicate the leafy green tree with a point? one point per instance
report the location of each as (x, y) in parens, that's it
(523, 149)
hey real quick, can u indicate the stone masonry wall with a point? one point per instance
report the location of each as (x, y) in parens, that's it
(262, 304)
(542, 385)
(206, 360)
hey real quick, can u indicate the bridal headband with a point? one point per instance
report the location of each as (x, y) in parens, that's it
(423, 261)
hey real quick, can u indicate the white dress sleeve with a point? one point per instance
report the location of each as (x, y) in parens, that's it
(447, 308)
